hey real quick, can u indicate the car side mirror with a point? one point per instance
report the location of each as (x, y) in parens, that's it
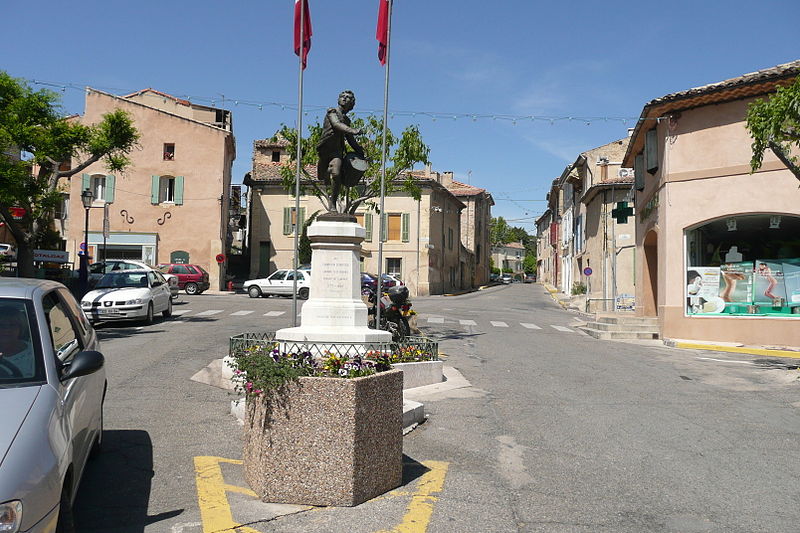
(82, 364)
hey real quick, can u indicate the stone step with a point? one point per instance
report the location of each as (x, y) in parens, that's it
(628, 320)
(615, 335)
(611, 326)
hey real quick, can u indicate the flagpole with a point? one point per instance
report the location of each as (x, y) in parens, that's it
(299, 157)
(383, 218)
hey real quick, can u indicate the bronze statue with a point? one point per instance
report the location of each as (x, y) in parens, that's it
(335, 163)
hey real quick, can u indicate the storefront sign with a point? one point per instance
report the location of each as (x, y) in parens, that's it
(625, 302)
(649, 207)
(51, 256)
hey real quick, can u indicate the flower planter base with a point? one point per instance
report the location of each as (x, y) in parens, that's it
(326, 441)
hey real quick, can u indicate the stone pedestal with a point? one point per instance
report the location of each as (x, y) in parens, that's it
(334, 311)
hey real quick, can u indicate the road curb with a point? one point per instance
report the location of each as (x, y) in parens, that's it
(751, 350)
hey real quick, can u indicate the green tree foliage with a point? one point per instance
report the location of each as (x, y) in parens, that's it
(501, 233)
(36, 141)
(775, 124)
(403, 153)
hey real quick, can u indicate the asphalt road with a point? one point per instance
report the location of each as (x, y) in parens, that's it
(559, 432)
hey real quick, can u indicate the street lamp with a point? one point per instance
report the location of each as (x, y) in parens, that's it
(87, 197)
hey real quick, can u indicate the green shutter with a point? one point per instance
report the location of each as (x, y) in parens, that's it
(178, 190)
(110, 186)
(638, 172)
(384, 227)
(651, 150)
(301, 219)
(287, 220)
(85, 184)
(154, 181)
(368, 226)
(405, 220)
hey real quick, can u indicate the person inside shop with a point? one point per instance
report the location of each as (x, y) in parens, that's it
(16, 351)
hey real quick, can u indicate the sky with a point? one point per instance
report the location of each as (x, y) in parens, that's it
(469, 73)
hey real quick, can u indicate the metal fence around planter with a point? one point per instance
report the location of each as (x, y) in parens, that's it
(426, 349)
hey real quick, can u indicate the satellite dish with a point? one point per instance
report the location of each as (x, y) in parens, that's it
(625, 173)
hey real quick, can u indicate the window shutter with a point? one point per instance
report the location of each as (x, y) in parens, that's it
(368, 226)
(110, 185)
(638, 172)
(85, 182)
(287, 220)
(178, 190)
(406, 218)
(384, 226)
(651, 150)
(154, 181)
(301, 220)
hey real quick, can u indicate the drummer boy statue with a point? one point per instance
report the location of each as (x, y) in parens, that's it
(331, 148)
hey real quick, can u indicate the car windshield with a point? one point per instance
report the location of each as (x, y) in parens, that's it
(115, 280)
(20, 361)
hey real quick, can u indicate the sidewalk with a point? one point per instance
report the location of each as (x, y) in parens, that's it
(733, 347)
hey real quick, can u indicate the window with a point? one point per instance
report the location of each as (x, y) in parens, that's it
(394, 266)
(166, 189)
(290, 219)
(169, 151)
(396, 227)
(62, 211)
(22, 364)
(63, 336)
(180, 269)
(450, 238)
(276, 156)
(101, 185)
(98, 187)
(365, 220)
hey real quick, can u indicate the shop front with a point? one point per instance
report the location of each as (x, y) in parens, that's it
(124, 245)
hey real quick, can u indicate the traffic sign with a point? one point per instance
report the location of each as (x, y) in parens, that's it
(220, 258)
(587, 271)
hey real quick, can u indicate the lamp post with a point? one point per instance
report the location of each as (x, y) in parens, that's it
(87, 197)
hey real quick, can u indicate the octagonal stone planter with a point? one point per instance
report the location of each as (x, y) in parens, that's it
(326, 441)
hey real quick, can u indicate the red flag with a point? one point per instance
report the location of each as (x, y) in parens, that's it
(306, 29)
(382, 32)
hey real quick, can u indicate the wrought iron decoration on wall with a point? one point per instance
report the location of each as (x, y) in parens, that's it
(124, 214)
(163, 219)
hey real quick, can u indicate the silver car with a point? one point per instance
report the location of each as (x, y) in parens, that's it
(52, 387)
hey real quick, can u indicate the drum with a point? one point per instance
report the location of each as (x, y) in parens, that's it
(353, 169)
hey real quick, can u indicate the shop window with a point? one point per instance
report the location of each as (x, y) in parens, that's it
(744, 265)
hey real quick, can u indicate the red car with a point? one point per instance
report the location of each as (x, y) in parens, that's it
(191, 278)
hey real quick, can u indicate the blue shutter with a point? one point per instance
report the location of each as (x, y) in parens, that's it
(301, 219)
(110, 186)
(287, 220)
(651, 150)
(368, 226)
(178, 190)
(154, 182)
(85, 182)
(405, 222)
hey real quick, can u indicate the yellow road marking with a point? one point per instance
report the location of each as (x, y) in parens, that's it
(738, 349)
(215, 512)
(419, 510)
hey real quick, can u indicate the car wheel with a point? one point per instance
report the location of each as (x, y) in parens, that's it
(66, 521)
(253, 291)
(168, 311)
(148, 319)
(191, 288)
(303, 293)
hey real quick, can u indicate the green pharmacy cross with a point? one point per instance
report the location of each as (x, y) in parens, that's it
(622, 212)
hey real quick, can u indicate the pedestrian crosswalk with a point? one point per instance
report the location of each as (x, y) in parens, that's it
(439, 321)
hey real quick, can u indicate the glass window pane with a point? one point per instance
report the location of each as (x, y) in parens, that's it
(19, 362)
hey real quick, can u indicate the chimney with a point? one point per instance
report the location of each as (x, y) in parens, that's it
(447, 178)
(428, 170)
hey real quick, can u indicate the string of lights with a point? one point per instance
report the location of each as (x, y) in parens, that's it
(317, 110)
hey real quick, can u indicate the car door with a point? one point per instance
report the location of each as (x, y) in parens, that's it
(158, 290)
(77, 395)
(182, 272)
(275, 283)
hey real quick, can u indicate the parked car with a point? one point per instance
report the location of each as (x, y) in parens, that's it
(128, 295)
(52, 388)
(529, 278)
(280, 282)
(8, 252)
(391, 281)
(369, 281)
(101, 268)
(506, 279)
(191, 278)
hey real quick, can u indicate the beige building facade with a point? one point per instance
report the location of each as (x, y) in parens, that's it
(422, 239)
(719, 247)
(172, 203)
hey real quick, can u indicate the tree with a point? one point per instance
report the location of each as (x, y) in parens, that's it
(403, 154)
(498, 232)
(775, 124)
(38, 149)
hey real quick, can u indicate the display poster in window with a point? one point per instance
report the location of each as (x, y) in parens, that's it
(791, 277)
(737, 282)
(768, 282)
(702, 290)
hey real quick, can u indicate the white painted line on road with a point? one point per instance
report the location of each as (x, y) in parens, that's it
(563, 328)
(435, 320)
(725, 360)
(139, 328)
(498, 324)
(181, 312)
(210, 312)
(242, 313)
(274, 313)
(467, 322)
(529, 326)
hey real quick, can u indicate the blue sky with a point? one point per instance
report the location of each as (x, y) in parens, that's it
(490, 60)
